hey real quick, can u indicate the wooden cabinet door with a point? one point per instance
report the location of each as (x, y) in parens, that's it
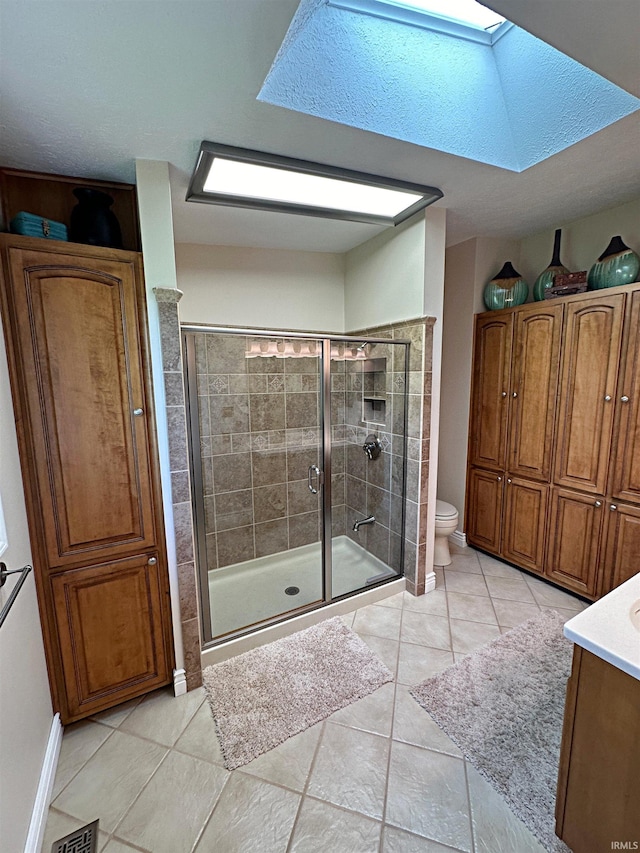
(574, 538)
(525, 515)
(484, 509)
(589, 376)
(626, 445)
(534, 388)
(76, 331)
(111, 636)
(621, 554)
(489, 400)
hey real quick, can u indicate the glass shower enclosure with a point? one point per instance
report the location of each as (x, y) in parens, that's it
(298, 468)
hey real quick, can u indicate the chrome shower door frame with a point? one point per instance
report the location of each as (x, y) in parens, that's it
(188, 332)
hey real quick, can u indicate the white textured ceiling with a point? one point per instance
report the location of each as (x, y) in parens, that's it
(87, 87)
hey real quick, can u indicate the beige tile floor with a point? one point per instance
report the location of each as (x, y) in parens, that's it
(377, 777)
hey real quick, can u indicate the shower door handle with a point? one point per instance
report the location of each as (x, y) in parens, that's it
(313, 469)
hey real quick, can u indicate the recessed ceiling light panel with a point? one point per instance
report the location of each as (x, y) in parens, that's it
(238, 177)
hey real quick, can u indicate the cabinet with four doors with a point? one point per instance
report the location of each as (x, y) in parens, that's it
(553, 482)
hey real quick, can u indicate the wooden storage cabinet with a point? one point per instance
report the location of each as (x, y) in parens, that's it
(110, 634)
(75, 334)
(626, 471)
(621, 551)
(491, 388)
(525, 515)
(575, 526)
(534, 386)
(598, 798)
(571, 414)
(484, 520)
(591, 353)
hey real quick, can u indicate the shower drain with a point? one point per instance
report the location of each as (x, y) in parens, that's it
(292, 590)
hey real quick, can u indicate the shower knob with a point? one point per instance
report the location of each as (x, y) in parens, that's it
(372, 446)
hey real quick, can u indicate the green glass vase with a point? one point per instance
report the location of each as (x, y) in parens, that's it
(505, 289)
(617, 265)
(556, 267)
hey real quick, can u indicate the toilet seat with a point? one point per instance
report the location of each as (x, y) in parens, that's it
(445, 510)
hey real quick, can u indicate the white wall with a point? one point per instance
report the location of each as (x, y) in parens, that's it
(468, 267)
(265, 288)
(582, 240)
(435, 230)
(156, 229)
(25, 705)
(384, 277)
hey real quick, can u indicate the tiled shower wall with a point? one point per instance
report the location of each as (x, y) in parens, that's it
(259, 433)
(377, 487)
(260, 430)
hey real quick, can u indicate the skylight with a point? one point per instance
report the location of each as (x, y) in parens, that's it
(407, 70)
(463, 11)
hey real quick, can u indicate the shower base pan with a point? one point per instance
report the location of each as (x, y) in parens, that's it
(249, 593)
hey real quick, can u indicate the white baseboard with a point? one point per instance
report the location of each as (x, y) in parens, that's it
(45, 787)
(459, 538)
(430, 582)
(179, 682)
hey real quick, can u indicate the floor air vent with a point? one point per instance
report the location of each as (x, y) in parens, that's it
(83, 840)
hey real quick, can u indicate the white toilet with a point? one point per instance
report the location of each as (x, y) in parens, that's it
(446, 524)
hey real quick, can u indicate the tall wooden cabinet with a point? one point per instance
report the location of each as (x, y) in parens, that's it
(511, 431)
(555, 428)
(75, 333)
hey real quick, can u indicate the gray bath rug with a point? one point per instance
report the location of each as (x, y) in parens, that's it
(503, 706)
(264, 696)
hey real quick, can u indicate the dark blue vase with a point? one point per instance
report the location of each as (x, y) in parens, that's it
(92, 221)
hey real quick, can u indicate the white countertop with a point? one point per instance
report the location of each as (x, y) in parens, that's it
(606, 629)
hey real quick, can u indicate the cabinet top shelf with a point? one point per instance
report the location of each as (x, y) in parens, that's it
(561, 300)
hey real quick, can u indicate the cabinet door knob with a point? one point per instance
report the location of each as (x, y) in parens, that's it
(152, 561)
(137, 412)
(613, 507)
(607, 398)
(508, 479)
(597, 503)
(624, 398)
(499, 479)
(515, 394)
(504, 393)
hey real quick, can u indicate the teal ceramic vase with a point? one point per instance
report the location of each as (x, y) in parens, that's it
(505, 289)
(618, 264)
(556, 267)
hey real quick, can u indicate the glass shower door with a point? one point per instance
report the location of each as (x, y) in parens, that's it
(256, 441)
(368, 426)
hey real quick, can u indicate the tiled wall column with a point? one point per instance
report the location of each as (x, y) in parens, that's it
(420, 333)
(168, 299)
